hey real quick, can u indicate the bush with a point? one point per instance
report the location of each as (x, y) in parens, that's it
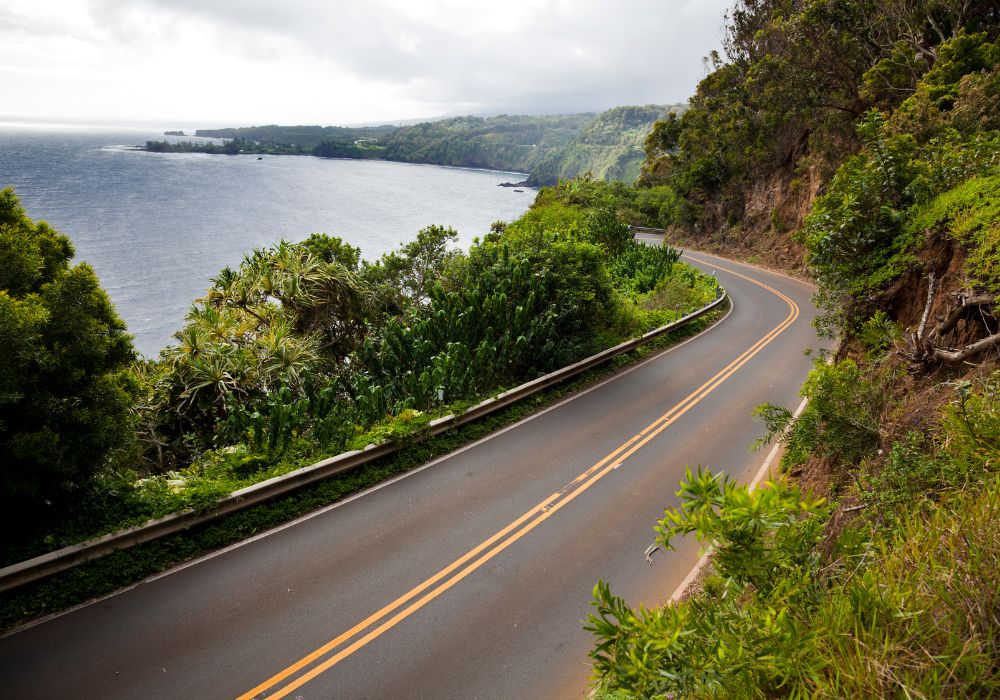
(65, 390)
(840, 422)
(911, 613)
(707, 646)
(904, 602)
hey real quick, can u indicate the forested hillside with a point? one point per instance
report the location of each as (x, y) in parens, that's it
(504, 142)
(610, 147)
(858, 142)
(549, 148)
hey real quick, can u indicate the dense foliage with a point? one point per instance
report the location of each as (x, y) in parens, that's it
(902, 603)
(306, 350)
(796, 78)
(99, 577)
(864, 231)
(306, 340)
(65, 389)
(231, 147)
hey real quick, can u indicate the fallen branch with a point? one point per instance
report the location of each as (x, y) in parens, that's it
(931, 284)
(964, 302)
(968, 350)
(925, 346)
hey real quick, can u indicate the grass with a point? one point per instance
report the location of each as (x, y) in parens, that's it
(924, 619)
(970, 213)
(107, 574)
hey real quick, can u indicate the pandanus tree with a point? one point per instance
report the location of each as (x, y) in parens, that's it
(281, 324)
(322, 297)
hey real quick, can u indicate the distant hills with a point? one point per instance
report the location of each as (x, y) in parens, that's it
(549, 148)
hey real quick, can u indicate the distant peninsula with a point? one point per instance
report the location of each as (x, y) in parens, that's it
(549, 148)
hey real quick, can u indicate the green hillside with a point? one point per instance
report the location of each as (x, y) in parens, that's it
(857, 143)
(610, 146)
(548, 148)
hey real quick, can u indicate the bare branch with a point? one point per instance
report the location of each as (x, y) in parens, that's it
(935, 27)
(964, 302)
(925, 346)
(931, 288)
(968, 350)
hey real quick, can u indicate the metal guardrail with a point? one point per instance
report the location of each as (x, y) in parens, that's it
(647, 229)
(66, 558)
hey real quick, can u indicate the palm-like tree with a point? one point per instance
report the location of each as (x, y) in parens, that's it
(212, 372)
(287, 358)
(284, 316)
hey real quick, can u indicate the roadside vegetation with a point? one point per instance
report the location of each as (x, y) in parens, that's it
(870, 566)
(125, 567)
(305, 351)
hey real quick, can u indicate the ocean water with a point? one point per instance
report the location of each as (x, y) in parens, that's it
(156, 227)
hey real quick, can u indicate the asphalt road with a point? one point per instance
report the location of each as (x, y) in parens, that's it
(469, 578)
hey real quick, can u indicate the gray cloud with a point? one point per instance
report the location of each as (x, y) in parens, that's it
(568, 57)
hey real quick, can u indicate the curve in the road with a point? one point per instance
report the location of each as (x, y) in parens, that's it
(459, 569)
(513, 628)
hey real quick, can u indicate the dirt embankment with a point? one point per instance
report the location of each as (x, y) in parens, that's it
(755, 220)
(919, 391)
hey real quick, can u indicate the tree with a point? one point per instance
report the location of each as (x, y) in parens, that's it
(403, 279)
(65, 388)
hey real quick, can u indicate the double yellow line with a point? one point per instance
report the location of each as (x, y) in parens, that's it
(375, 625)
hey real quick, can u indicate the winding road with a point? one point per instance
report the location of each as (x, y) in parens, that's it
(467, 578)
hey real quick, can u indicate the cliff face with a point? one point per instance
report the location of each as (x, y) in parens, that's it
(609, 147)
(770, 209)
(758, 219)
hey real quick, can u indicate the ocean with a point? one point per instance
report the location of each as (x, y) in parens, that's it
(157, 227)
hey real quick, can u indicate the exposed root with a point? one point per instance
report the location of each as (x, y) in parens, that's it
(926, 346)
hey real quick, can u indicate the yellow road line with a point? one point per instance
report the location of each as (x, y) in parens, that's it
(529, 520)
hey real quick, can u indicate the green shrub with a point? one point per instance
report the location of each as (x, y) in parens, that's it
(878, 334)
(970, 213)
(912, 614)
(710, 645)
(853, 233)
(904, 602)
(305, 351)
(662, 206)
(65, 390)
(840, 422)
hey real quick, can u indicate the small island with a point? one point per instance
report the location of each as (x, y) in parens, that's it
(174, 133)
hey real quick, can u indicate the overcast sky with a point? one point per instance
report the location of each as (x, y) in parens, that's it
(242, 62)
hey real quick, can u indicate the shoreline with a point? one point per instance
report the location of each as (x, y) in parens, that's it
(524, 183)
